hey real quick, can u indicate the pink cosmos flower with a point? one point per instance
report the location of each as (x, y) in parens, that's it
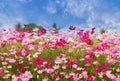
(58, 78)
(93, 30)
(27, 74)
(104, 67)
(28, 30)
(4, 63)
(70, 50)
(23, 77)
(23, 68)
(72, 28)
(24, 52)
(31, 47)
(19, 72)
(118, 70)
(49, 70)
(38, 61)
(85, 75)
(48, 64)
(117, 79)
(40, 71)
(56, 67)
(40, 49)
(18, 63)
(96, 69)
(12, 60)
(58, 60)
(43, 31)
(21, 34)
(87, 61)
(25, 25)
(74, 65)
(1, 72)
(90, 78)
(70, 75)
(61, 43)
(17, 79)
(64, 67)
(89, 42)
(111, 76)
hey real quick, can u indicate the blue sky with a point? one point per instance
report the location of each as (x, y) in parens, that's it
(81, 13)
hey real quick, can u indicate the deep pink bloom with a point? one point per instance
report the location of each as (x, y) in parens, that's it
(19, 79)
(93, 30)
(89, 42)
(28, 30)
(23, 68)
(18, 64)
(38, 61)
(21, 34)
(104, 67)
(25, 25)
(75, 61)
(102, 46)
(69, 65)
(1, 72)
(48, 64)
(89, 55)
(61, 43)
(85, 37)
(87, 61)
(90, 78)
(43, 31)
(55, 32)
(80, 33)
(19, 72)
(92, 55)
(72, 28)
(96, 69)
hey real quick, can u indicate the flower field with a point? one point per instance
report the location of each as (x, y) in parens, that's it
(75, 55)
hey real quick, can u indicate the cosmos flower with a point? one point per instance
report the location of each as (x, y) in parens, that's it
(43, 31)
(28, 30)
(72, 28)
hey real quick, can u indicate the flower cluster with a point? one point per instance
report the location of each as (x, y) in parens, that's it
(40, 55)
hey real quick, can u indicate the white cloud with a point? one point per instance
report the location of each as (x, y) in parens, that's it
(51, 8)
(80, 8)
(106, 19)
(112, 20)
(94, 12)
(9, 21)
(10, 13)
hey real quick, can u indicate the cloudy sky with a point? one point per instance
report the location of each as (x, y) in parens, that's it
(82, 13)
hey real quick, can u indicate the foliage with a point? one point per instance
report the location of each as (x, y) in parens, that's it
(102, 30)
(30, 26)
